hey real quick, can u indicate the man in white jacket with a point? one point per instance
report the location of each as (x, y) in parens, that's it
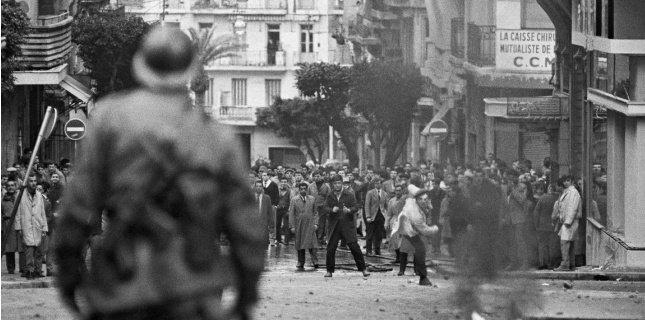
(569, 209)
(412, 226)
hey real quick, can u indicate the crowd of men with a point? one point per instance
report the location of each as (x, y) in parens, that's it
(528, 217)
(535, 219)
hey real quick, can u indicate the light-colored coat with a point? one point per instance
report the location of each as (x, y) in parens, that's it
(412, 221)
(303, 218)
(391, 219)
(569, 210)
(31, 218)
(373, 203)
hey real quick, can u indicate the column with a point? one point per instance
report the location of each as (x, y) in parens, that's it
(634, 181)
(490, 135)
(615, 171)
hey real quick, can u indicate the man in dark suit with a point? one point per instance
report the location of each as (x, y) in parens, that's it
(264, 206)
(271, 190)
(340, 207)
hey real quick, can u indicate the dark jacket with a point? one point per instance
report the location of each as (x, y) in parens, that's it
(345, 222)
(273, 192)
(542, 213)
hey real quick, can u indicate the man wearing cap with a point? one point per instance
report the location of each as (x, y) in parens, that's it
(340, 206)
(375, 205)
(170, 180)
(14, 244)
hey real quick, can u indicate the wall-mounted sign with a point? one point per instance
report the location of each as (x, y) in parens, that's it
(525, 50)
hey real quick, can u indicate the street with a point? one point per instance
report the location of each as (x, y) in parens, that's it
(286, 294)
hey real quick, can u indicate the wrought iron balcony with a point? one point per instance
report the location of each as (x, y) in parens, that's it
(481, 45)
(48, 43)
(305, 57)
(253, 59)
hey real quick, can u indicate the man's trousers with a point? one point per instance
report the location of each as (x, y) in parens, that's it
(331, 252)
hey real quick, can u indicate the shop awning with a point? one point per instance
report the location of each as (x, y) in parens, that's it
(544, 108)
(76, 88)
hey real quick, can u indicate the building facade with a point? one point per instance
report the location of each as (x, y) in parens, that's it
(601, 63)
(48, 79)
(279, 34)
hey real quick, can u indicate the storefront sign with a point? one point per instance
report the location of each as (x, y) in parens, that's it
(534, 106)
(525, 50)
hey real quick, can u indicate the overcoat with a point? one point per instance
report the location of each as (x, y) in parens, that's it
(31, 218)
(569, 209)
(345, 222)
(14, 244)
(303, 218)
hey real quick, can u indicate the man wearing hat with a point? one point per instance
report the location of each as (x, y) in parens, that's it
(340, 207)
(170, 180)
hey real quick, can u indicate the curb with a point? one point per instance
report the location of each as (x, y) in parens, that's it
(34, 284)
(562, 275)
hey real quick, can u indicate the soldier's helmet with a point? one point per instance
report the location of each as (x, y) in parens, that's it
(166, 58)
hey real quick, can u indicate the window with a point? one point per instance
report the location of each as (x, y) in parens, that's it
(272, 90)
(205, 25)
(306, 38)
(239, 92)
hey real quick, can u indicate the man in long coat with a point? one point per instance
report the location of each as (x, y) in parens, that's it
(319, 189)
(14, 244)
(303, 222)
(569, 210)
(340, 207)
(31, 225)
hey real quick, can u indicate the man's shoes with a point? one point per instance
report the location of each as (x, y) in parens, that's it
(12, 272)
(30, 275)
(560, 268)
(38, 274)
(328, 275)
(316, 266)
(543, 267)
(425, 282)
(24, 274)
(378, 253)
(300, 268)
(51, 273)
(365, 273)
(397, 261)
(343, 248)
(400, 273)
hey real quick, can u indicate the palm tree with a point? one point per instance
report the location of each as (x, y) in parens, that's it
(210, 49)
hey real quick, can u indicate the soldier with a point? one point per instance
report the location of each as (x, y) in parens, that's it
(170, 181)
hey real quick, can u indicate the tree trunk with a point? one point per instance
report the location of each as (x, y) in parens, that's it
(310, 151)
(394, 147)
(350, 145)
(377, 141)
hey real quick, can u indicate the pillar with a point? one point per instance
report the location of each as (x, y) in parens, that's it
(490, 135)
(616, 171)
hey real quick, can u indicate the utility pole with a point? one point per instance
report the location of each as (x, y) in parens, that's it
(163, 12)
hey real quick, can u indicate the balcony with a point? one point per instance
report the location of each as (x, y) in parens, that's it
(233, 115)
(405, 3)
(49, 42)
(249, 4)
(253, 59)
(481, 45)
(457, 37)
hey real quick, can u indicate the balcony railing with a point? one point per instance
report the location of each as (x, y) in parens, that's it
(306, 4)
(51, 19)
(457, 37)
(233, 4)
(481, 45)
(405, 3)
(236, 113)
(253, 58)
(48, 43)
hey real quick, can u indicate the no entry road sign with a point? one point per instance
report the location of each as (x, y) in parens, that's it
(75, 129)
(439, 130)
